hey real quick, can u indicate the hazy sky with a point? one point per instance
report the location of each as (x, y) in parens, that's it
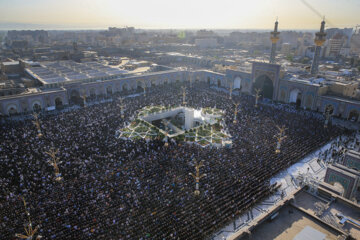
(230, 14)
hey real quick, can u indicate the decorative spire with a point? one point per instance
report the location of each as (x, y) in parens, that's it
(322, 28)
(274, 36)
(319, 40)
(276, 25)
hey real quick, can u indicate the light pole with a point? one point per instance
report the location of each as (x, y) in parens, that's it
(235, 112)
(84, 99)
(54, 162)
(231, 89)
(30, 232)
(184, 95)
(190, 79)
(280, 137)
(122, 107)
(327, 118)
(257, 96)
(166, 144)
(197, 176)
(37, 124)
(144, 88)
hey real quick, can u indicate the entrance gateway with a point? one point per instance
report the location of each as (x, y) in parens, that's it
(264, 83)
(265, 76)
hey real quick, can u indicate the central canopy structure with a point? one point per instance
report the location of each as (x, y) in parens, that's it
(177, 120)
(203, 127)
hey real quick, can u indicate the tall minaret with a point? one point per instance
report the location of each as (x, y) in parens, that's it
(274, 36)
(319, 41)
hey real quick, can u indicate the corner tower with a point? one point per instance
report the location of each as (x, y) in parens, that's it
(320, 38)
(274, 36)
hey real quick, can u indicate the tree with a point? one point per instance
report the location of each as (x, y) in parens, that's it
(290, 58)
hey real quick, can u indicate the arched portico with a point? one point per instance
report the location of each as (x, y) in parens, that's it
(329, 108)
(125, 87)
(12, 109)
(58, 103)
(36, 106)
(353, 115)
(282, 95)
(109, 90)
(75, 97)
(140, 85)
(237, 83)
(264, 83)
(295, 97)
(92, 92)
(153, 83)
(309, 101)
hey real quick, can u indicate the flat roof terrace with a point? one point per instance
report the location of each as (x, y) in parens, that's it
(292, 223)
(68, 71)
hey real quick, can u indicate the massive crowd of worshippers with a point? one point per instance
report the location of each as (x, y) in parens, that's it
(119, 189)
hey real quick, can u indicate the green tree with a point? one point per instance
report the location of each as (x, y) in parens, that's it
(290, 58)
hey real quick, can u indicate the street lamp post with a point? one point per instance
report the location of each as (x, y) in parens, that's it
(54, 162)
(230, 90)
(84, 99)
(327, 118)
(30, 232)
(144, 88)
(184, 95)
(235, 112)
(257, 96)
(280, 137)
(197, 176)
(37, 124)
(190, 80)
(122, 107)
(166, 144)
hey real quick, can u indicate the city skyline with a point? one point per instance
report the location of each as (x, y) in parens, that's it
(161, 14)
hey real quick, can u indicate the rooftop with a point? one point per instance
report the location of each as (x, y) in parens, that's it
(68, 71)
(291, 224)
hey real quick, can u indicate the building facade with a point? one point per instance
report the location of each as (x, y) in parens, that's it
(307, 94)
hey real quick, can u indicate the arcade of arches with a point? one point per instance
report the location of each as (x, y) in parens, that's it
(264, 83)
